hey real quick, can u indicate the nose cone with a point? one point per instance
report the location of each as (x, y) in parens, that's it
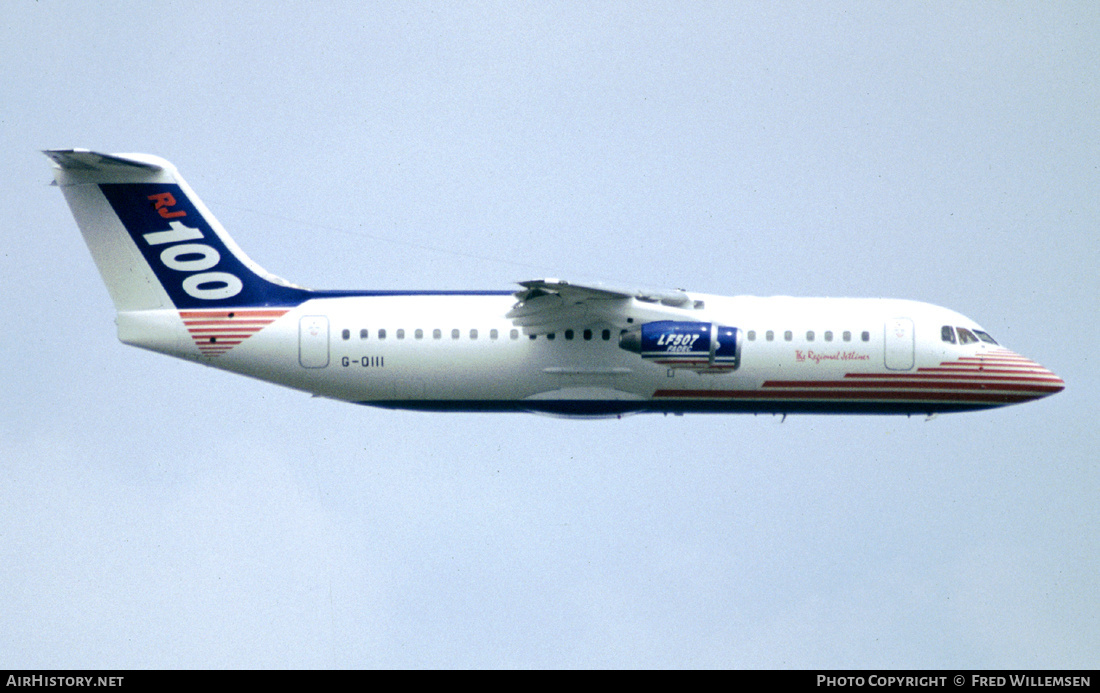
(1017, 378)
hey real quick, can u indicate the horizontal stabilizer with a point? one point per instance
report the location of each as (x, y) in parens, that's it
(86, 160)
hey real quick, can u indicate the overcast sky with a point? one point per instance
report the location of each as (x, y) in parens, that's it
(154, 513)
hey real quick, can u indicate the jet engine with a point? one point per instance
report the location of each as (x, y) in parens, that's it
(703, 347)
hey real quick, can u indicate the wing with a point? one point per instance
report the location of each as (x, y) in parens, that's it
(551, 305)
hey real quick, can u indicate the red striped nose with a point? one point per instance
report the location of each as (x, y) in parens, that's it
(1010, 367)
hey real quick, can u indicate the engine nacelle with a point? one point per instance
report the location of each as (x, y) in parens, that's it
(703, 347)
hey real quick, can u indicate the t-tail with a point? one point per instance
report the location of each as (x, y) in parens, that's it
(164, 257)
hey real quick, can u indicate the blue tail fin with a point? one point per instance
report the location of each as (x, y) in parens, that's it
(156, 245)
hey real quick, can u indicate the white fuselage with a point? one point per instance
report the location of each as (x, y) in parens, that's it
(461, 353)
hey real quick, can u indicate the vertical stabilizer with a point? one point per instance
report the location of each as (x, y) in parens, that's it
(156, 245)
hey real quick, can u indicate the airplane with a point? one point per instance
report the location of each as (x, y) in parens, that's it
(182, 287)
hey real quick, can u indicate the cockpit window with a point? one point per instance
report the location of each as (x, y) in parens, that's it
(966, 336)
(984, 336)
(947, 334)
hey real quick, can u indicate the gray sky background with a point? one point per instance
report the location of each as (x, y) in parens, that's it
(154, 513)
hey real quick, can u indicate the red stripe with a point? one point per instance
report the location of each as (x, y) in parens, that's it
(827, 396)
(1032, 371)
(992, 364)
(261, 323)
(1034, 377)
(997, 363)
(235, 330)
(227, 328)
(245, 313)
(871, 386)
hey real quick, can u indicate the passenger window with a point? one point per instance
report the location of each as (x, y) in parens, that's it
(569, 334)
(769, 335)
(346, 334)
(587, 335)
(828, 336)
(866, 336)
(401, 333)
(606, 335)
(473, 333)
(966, 336)
(809, 335)
(493, 333)
(847, 335)
(514, 334)
(363, 334)
(454, 334)
(437, 333)
(788, 336)
(419, 334)
(381, 334)
(550, 336)
(752, 335)
(947, 334)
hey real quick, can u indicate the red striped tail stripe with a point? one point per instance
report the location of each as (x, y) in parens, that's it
(217, 331)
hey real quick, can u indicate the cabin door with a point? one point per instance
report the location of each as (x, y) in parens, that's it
(899, 344)
(313, 341)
